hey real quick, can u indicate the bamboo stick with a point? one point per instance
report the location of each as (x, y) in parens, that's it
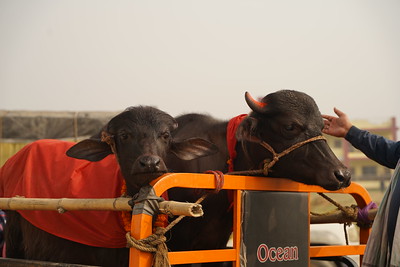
(181, 208)
(338, 217)
(114, 204)
(121, 204)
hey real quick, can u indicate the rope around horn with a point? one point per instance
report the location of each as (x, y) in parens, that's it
(155, 243)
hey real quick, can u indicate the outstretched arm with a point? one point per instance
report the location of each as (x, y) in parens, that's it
(384, 151)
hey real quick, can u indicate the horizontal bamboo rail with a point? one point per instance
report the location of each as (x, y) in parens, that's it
(114, 204)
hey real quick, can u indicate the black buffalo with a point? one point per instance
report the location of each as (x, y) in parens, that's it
(141, 138)
(277, 123)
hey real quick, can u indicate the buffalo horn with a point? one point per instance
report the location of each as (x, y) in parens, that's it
(255, 105)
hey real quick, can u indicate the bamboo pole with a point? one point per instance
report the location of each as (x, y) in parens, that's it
(114, 204)
(338, 217)
(121, 204)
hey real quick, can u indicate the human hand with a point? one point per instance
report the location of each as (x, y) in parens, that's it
(336, 126)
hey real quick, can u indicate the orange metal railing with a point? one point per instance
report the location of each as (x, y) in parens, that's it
(141, 224)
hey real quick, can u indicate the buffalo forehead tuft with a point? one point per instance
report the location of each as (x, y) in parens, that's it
(141, 115)
(292, 101)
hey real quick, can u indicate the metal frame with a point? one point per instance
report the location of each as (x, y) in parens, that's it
(141, 224)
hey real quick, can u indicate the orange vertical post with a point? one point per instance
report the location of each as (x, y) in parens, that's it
(237, 231)
(141, 227)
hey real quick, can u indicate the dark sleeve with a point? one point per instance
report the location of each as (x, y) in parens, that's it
(375, 147)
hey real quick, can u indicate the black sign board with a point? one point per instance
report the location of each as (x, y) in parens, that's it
(275, 229)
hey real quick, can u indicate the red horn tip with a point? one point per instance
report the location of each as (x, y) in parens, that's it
(255, 102)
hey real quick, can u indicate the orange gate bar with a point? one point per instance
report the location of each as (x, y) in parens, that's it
(141, 224)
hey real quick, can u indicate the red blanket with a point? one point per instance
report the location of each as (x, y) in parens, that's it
(42, 170)
(231, 140)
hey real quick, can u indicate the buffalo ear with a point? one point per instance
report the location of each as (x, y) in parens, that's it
(90, 149)
(246, 130)
(193, 148)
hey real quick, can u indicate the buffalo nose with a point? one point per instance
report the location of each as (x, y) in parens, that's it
(150, 163)
(343, 176)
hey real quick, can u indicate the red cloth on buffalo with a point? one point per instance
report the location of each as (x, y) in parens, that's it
(42, 170)
(231, 140)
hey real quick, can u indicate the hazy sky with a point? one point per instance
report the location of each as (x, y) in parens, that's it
(199, 56)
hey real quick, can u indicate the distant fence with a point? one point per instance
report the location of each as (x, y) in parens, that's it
(18, 128)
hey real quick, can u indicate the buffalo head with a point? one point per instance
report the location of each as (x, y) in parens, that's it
(140, 137)
(289, 122)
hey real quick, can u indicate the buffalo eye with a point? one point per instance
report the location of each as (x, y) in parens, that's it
(123, 136)
(289, 127)
(291, 130)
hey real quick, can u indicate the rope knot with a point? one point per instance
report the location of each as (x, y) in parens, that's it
(266, 166)
(351, 212)
(155, 244)
(219, 180)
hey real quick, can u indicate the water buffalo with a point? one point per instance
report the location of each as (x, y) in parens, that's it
(140, 138)
(281, 137)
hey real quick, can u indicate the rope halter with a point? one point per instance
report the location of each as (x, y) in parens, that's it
(276, 156)
(269, 163)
